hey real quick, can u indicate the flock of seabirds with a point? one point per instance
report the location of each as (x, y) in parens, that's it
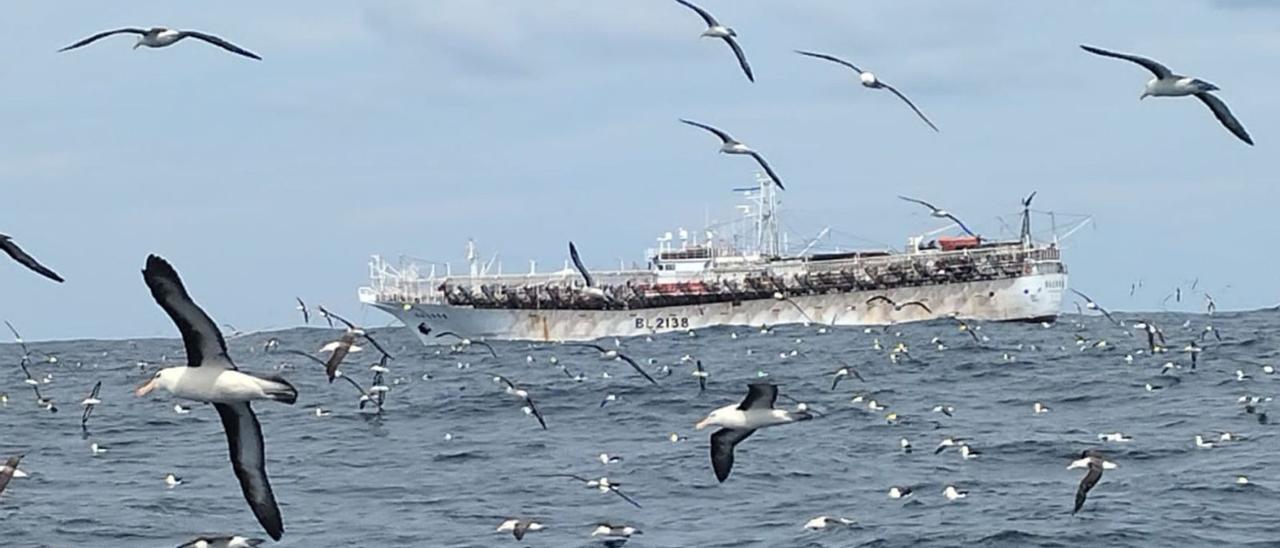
(211, 376)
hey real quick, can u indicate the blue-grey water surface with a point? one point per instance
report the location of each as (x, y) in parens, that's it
(355, 479)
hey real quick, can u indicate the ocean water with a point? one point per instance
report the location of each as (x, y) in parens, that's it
(355, 478)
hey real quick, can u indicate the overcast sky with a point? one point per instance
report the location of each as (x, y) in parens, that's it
(406, 127)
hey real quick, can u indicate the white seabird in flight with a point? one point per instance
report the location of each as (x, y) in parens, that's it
(159, 37)
(940, 213)
(210, 376)
(9, 470)
(869, 80)
(729, 145)
(1168, 84)
(717, 30)
(1096, 464)
(591, 287)
(518, 527)
(738, 421)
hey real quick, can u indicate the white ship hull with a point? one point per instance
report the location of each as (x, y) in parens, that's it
(1036, 297)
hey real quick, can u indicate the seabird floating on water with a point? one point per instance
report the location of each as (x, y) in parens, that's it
(159, 37)
(716, 30)
(1096, 464)
(869, 80)
(737, 422)
(11, 249)
(614, 530)
(729, 145)
(223, 542)
(1168, 84)
(940, 214)
(824, 522)
(210, 376)
(952, 494)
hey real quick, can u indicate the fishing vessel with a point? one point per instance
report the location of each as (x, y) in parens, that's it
(744, 278)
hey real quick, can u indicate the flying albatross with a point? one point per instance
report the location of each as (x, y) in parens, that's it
(729, 145)
(613, 354)
(738, 421)
(939, 213)
(1168, 84)
(716, 30)
(1091, 305)
(1093, 461)
(869, 80)
(591, 288)
(210, 376)
(8, 470)
(12, 250)
(159, 37)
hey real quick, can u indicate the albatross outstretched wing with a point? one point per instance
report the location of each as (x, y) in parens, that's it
(759, 396)
(910, 104)
(104, 34)
(11, 249)
(200, 336)
(722, 444)
(1223, 114)
(1157, 69)
(248, 459)
(577, 263)
(219, 42)
(742, 57)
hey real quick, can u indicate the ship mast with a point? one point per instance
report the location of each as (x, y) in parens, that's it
(768, 242)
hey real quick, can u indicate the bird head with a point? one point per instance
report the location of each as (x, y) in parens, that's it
(138, 44)
(163, 378)
(1145, 94)
(711, 420)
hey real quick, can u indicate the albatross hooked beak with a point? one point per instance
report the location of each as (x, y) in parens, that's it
(146, 387)
(702, 424)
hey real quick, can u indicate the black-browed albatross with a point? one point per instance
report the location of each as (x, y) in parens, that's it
(1093, 461)
(12, 250)
(717, 30)
(210, 376)
(159, 37)
(729, 145)
(1168, 84)
(939, 213)
(869, 80)
(738, 421)
(591, 288)
(8, 470)
(613, 354)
